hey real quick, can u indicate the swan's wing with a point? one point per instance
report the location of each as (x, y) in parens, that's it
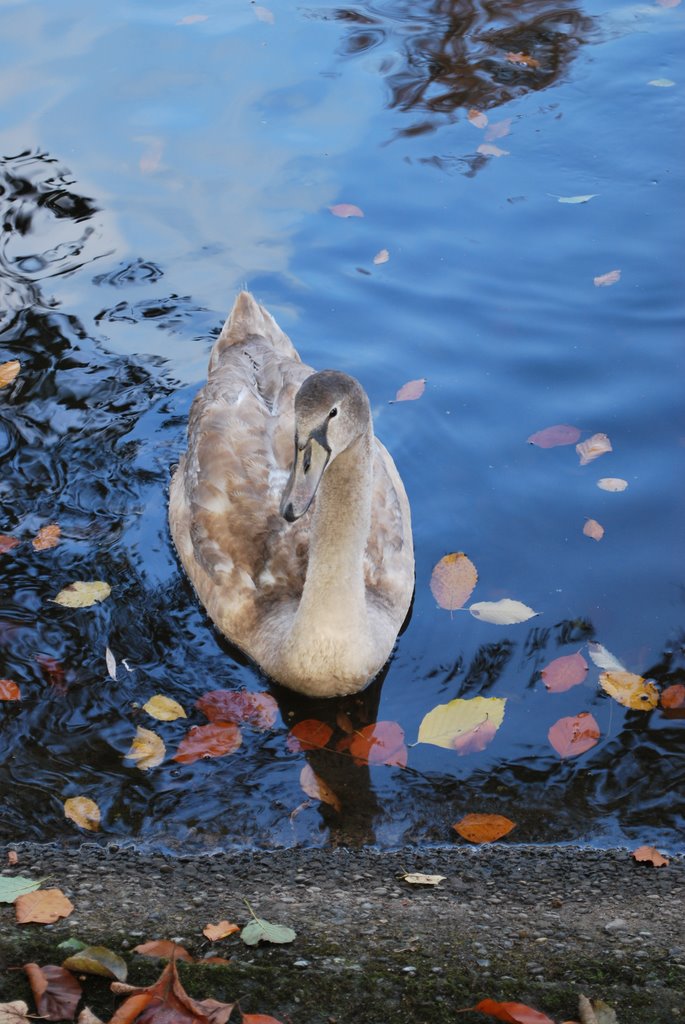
(389, 561)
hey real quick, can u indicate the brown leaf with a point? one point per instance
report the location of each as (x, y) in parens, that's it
(222, 930)
(9, 690)
(346, 210)
(163, 949)
(47, 537)
(12, 857)
(259, 710)
(97, 960)
(452, 580)
(477, 118)
(380, 743)
(83, 811)
(593, 529)
(563, 673)
(214, 740)
(259, 1018)
(45, 906)
(574, 735)
(310, 734)
(8, 371)
(630, 690)
(651, 856)
(605, 280)
(56, 991)
(410, 391)
(522, 58)
(598, 444)
(314, 786)
(167, 1002)
(483, 828)
(673, 696)
(551, 437)
(86, 1016)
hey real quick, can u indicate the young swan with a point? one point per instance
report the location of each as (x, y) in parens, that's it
(310, 573)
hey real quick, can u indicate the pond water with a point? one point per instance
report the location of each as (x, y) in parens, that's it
(157, 157)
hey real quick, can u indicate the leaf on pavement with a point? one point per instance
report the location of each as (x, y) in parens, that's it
(56, 991)
(222, 930)
(379, 743)
(8, 372)
(83, 811)
(315, 787)
(512, 1013)
(9, 690)
(12, 886)
(164, 709)
(214, 740)
(452, 580)
(505, 612)
(651, 855)
(595, 1011)
(42, 907)
(563, 673)
(309, 734)
(147, 749)
(630, 690)
(83, 594)
(484, 828)
(169, 1002)
(593, 447)
(259, 710)
(97, 960)
(260, 930)
(163, 949)
(574, 735)
(466, 725)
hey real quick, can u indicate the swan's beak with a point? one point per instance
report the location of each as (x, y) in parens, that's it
(305, 477)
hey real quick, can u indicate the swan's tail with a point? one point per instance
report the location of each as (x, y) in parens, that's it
(249, 321)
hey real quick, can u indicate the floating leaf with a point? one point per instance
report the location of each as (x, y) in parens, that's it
(452, 580)
(259, 710)
(380, 743)
(551, 437)
(598, 444)
(97, 960)
(265, 15)
(488, 149)
(612, 483)
(84, 811)
(111, 663)
(477, 118)
(630, 690)
(604, 658)
(498, 130)
(381, 257)
(668, 3)
(147, 749)
(593, 529)
(512, 1013)
(222, 930)
(9, 690)
(465, 724)
(7, 543)
(12, 886)
(346, 210)
(417, 878)
(56, 991)
(662, 83)
(82, 594)
(410, 391)
(47, 537)
(651, 855)
(673, 696)
(260, 930)
(42, 907)
(314, 786)
(192, 19)
(15, 1012)
(563, 673)
(522, 58)
(605, 280)
(502, 613)
(163, 949)
(214, 740)
(310, 734)
(576, 199)
(484, 828)
(164, 709)
(574, 735)
(8, 372)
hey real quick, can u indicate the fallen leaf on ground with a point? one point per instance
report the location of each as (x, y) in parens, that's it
(168, 1002)
(673, 696)
(83, 594)
(9, 690)
(477, 118)
(418, 878)
(7, 543)
(630, 690)
(522, 58)
(488, 149)
(8, 372)
(164, 709)
(97, 960)
(214, 740)
(260, 930)
(505, 612)
(484, 828)
(12, 886)
(612, 483)
(315, 787)
(47, 537)
(498, 129)
(605, 280)
(147, 749)
(410, 391)
(595, 1011)
(42, 907)
(651, 855)
(552, 437)
(574, 200)
(259, 1018)
(465, 724)
(452, 580)
(593, 447)
(572, 736)
(564, 672)
(512, 1013)
(84, 811)
(14, 1013)
(604, 658)
(310, 734)
(260, 710)
(593, 529)
(163, 949)
(379, 743)
(381, 257)
(222, 930)
(56, 991)
(346, 210)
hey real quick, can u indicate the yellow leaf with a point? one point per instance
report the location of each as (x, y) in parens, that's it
(314, 786)
(453, 580)
(164, 709)
(8, 371)
(147, 749)
(84, 811)
(417, 878)
(463, 723)
(598, 444)
(630, 690)
(81, 594)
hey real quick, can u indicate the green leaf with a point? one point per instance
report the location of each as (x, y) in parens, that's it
(97, 960)
(15, 885)
(259, 930)
(72, 945)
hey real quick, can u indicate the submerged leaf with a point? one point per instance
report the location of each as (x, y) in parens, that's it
(147, 749)
(310, 734)
(502, 613)
(522, 58)
(630, 690)
(464, 724)
(381, 257)
(662, 83)
(379, 743)
(47, 537)
(83, 811)
(673, 696)
(82, 594)
(452, 580)
(314, 786)
(7, 543)
(574, 735)
(484, 828)
(9, 690)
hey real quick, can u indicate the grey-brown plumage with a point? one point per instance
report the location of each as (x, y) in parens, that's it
(289, 516)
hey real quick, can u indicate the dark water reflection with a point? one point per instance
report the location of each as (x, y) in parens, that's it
(111, 306)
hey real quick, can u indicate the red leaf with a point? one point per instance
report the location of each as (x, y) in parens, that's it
(573, 736)
(381, 743)
(214, 740)
(410, 391)
(565, 672)
(346, 210)
(551, 437)
(259, 710)
(513, 1013)
(7, 543)
(56, 991)
(310, 734)
(673, 696)
(9, 690)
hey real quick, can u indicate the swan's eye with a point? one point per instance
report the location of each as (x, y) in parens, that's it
(332, 413)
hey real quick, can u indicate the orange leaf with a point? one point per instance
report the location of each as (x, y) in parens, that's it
(574, 735)
(483, 828)
(673, 696)
(522, 58)
(222, 930)
(314, 786)
(477, 119)
(651, 855)
(593, 529)
(310, 734)
(565, 672)
(45, 906)
(7, 543)
(56, 991)
(512, 1013)
(410, 391)
(452, 580)
(346, 210)
(8, 371)
(9, 690)
(593, 447)
(169, 1002)
(259, 1018)
(47, 537)
(551, 437)
(605, 280)
(214, 740)
(630, 690)
(259, 710)
(163, 948)
(381, 743)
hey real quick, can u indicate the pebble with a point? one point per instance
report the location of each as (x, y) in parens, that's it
(616, 924)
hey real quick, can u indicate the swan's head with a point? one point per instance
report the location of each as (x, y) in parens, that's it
(331, 413)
